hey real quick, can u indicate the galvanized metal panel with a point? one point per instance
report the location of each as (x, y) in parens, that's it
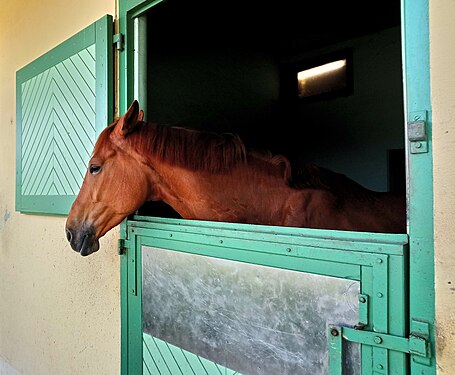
(57, 118)
(249, 318)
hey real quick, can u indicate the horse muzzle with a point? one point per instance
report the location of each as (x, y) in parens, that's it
(83, 240)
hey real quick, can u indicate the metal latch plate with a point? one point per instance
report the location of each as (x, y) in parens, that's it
(416, 131)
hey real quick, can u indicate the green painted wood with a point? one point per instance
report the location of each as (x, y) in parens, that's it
(104, 90)
(59, 114)
(336, 268)
(335, 339)
(369, 267)
(380, 293)
(397, 296)
(124, 312)
(136, 8)
(367, 288)
(374, 242)
(161, 357)
(134, 363)
(416, 56)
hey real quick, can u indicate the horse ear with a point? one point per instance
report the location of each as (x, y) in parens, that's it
(128, 121)
(141, 116)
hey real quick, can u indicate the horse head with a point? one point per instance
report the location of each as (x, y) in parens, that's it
(114, 185)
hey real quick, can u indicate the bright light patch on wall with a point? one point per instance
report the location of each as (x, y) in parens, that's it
(322, 79)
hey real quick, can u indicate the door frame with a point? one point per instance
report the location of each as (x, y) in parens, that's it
(417, 105)
(417, 110)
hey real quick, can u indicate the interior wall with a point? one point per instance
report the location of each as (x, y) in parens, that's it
(235, 85)
(352, 134)
(442, 76)
(59, 311)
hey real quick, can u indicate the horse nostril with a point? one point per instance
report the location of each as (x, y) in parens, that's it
(69, 235)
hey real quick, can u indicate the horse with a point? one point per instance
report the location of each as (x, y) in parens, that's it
(209, 176)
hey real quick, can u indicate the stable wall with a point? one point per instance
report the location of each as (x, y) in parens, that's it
(353, 134)
(233, 91)
(442, 75)
(59, 312)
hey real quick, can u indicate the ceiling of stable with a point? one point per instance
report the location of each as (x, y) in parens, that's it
(284, 27)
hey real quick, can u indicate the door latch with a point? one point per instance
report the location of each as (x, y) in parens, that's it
(417, 134)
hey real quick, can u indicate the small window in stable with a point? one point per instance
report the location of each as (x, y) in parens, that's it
(325, 77)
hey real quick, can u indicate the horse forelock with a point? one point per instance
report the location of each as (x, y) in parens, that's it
(103, 140)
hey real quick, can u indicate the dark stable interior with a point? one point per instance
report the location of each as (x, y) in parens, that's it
(231, 67)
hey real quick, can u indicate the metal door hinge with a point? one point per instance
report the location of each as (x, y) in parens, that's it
(121, 247)
(119, 41)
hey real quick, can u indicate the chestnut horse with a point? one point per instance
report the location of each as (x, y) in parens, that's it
(214, 177)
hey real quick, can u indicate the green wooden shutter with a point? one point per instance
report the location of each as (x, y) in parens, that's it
(63, 101)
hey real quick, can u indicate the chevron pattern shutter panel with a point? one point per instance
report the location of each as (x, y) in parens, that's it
(63, 101)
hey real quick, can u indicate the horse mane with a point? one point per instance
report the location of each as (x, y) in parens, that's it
(189, 148)
(220, 153)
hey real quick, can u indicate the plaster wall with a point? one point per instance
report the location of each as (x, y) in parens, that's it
(59, 312)
(442, 75)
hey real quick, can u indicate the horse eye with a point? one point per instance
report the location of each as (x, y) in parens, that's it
(94, 169)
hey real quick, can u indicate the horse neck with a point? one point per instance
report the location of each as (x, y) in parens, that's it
(243, 195)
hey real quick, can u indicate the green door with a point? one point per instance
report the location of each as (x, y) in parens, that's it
(377, 289)
(216, 298)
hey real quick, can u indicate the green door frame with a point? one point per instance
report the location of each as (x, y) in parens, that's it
(416, 57)
(417, 103)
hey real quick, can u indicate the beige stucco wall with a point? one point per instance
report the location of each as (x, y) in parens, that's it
(442, 73)
(59, 312)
